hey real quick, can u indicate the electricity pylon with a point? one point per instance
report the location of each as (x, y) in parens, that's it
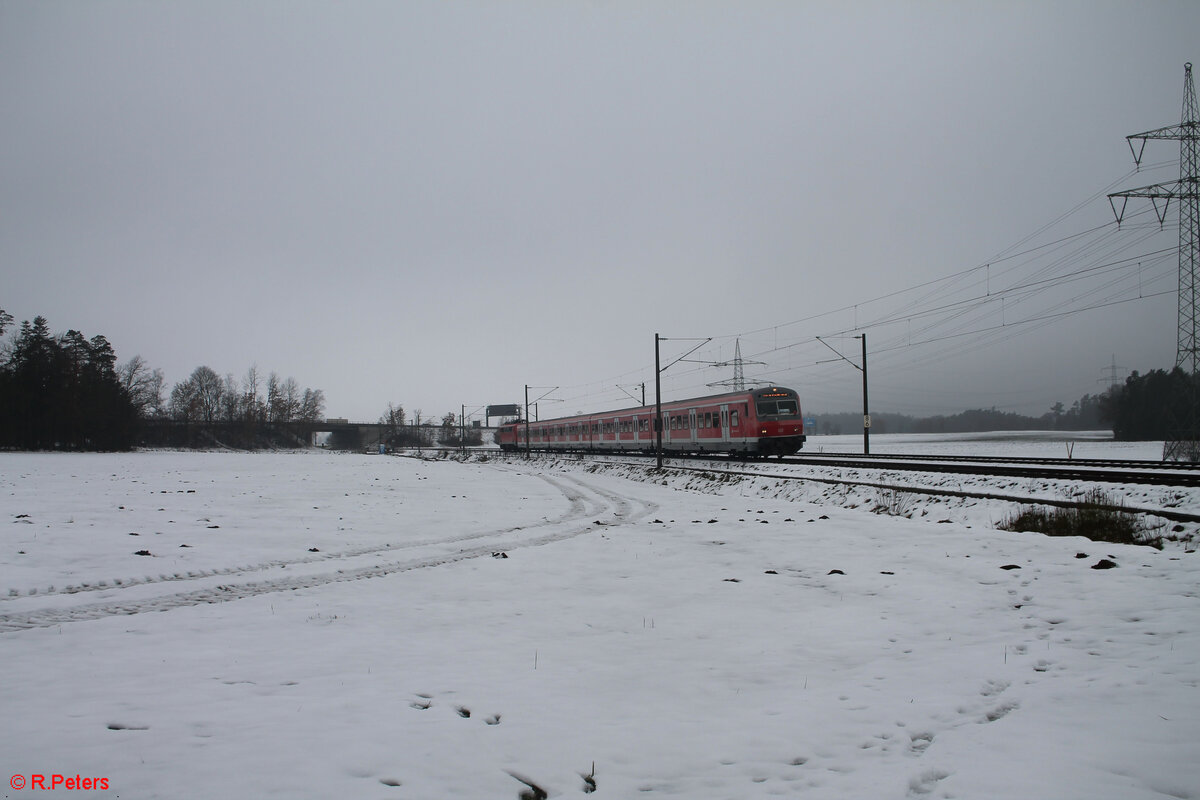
(738, 381)
(1183, 439)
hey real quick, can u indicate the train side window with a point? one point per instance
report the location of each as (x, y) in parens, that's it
(733, 418)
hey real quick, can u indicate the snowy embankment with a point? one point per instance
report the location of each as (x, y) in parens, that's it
(345, 625)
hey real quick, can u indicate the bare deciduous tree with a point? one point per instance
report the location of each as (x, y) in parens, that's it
(231, 398)
(252, 404)
(312, 406)
(198, 399)
(144, 385)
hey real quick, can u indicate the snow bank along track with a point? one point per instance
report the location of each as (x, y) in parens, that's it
(588, 508)
(721, 466)
(1154, 473)
(1106, 463)
(1159, 473)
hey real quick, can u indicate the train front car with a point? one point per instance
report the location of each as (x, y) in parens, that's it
(506, 436)
(778, 423)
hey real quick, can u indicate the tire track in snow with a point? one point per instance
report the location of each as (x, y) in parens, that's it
(579, 506)
(603, 509)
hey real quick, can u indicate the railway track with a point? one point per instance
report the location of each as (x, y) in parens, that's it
(1134, 464)
(1154, 473)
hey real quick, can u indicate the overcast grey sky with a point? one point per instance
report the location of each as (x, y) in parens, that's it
(436, 203)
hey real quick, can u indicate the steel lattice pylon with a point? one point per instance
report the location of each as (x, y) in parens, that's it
(738, 382)
(1183, 442)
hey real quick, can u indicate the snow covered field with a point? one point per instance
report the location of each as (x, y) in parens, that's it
(322, 625)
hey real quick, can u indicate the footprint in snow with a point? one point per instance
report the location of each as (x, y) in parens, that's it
(534, 792)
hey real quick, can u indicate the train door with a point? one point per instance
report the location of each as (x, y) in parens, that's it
(692, 426)
(725, 424)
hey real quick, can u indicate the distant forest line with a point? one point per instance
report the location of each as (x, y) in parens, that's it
(1087, 414)
(1144, 408)
(68, 392)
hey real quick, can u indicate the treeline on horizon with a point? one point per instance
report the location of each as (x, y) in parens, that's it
(67, 392)
(1146, 407)
(399, 431)
(1087, 414)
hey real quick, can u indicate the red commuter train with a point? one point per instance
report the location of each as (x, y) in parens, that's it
(760, 422)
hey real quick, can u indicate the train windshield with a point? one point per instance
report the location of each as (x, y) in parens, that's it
(781, 406)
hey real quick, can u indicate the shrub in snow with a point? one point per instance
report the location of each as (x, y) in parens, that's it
(1098, 517)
